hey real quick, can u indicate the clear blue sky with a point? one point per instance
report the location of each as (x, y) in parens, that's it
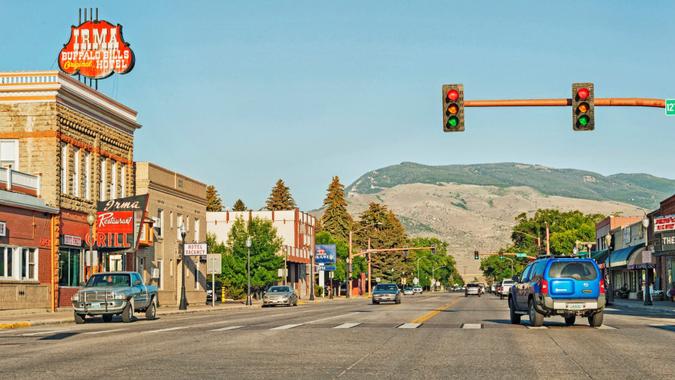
(240, 93)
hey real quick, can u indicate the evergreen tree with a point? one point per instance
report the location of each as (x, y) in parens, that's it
(239, 205)
(335, 219)
(213, 201)
(280, 198)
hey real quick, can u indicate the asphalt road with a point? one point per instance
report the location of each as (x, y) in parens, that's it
(430, 336)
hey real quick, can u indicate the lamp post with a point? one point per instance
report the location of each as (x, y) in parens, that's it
(349, 263)
(183, 298)
(648, 271)
(248, 271)
(91, 219)
(610, 283)
(433, 275)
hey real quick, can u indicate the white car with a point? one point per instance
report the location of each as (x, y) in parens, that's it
(408, 291)
(417, 290)
(506, 287)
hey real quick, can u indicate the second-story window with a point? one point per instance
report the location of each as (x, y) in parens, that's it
(196, 229)
(123, 181)
(102, 181)
(76, 172)
(9, 154)
(64, 168)
(87, 175)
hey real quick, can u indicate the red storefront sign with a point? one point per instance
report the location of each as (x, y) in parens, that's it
(96, 49)
(115, 229)
(664, 223)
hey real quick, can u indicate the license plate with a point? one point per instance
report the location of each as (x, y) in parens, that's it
(575, 306)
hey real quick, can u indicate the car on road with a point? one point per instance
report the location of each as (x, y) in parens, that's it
(209, 292)
(493, 288)
(564, 286)
(280, 295)
(115, 293)
(408, 291)
(386, 293)
(417, 290)
(472, 289)
(504, 288)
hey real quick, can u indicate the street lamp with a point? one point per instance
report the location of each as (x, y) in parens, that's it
(91, 219)
(248, 270)
(183, 298)
(349, 263)
(433, 275)
(610, 282)
(648, 271)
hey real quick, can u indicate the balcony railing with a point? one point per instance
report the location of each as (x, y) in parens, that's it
(12, 180)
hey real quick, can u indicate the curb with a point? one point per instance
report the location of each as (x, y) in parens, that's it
(655, 309)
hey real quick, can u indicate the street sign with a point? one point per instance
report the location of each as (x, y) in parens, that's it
(329, 268)
(521, 254)
(325, 254)
(416, 280)
(195, 249)
(670, 107)
(214, 263)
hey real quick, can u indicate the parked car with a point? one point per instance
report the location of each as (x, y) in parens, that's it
(280, 295)
(564, 286)
(417, 290)
(408, 291)
(472, 289)
(209, 291)
(386, 293)
(505, 287)
(493, 288)
(118, 293)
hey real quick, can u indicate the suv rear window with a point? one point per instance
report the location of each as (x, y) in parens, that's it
(577, 270)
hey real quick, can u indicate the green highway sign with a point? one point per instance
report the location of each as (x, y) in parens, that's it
(670, 107)
(521, 254)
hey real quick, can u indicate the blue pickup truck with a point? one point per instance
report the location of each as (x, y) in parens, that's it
(564, 286)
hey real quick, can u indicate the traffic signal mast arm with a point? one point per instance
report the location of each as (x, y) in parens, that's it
(510, 254)
(604, 102)
(381, 250)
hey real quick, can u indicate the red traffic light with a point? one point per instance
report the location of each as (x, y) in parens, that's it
(453, 95)
(583, 93)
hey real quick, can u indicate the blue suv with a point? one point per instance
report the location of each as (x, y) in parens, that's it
(558, 285)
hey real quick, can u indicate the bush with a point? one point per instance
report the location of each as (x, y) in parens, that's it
(318, 291)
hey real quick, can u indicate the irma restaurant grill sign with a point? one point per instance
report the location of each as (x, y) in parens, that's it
(96, 50)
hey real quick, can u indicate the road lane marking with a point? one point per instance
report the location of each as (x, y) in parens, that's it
(537, 328)
(472, 326)
(605, 327)
(44, 332)
(286, 327)
(347, 325)
(409, 325)
(168, 329)
(102, 331)
(227, 328)
(434, 312)
(333, 317)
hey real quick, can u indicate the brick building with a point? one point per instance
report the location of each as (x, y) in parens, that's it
(79, 143)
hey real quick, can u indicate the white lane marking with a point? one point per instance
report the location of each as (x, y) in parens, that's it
(537, 328)
(472, 326)
(286, 327)
(347, 325)
(102, 331)
(409, 325)
(168, 329)
(227, 328)
(333, 317)
(44, 332)
(605, 327)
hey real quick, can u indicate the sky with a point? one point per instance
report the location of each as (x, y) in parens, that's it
(240, 93)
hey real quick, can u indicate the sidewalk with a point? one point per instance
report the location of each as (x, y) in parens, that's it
(658, 306)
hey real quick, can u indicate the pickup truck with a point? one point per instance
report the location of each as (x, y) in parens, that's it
(115, 293)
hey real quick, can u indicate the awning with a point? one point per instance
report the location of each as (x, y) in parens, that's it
(642, 259)
(620, 257)
(600, 256)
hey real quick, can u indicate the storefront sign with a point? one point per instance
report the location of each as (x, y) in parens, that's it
(195, 249)
(95, 50)
(118, 222)
(664, 223)
(325, 254)
(72, 240)
(665, 241)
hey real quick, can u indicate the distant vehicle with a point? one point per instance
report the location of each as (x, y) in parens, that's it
(417, 290)
(472, 289)
(280, 295)
(505, 286)
(115, 293)
(493, 288)
(386, 293)
(564, 286)
(408, 291)
(209, 291)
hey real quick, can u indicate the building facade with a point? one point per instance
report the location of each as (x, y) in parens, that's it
(297, 230)
(664, 247)
(174, 199)
(79, 143)
(25, 247)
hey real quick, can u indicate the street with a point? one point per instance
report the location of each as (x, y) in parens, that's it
(442, 335)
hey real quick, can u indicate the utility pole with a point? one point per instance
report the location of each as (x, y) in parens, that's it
(548, 243)
(249, 301)
(349, 267)
(370, 270)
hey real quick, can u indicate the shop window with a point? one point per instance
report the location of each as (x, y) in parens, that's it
(9, 154)
(70, 267)
(6, 254)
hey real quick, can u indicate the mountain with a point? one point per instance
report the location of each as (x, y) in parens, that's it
(642, 190)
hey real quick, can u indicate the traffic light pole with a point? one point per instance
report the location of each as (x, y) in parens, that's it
(566, 102)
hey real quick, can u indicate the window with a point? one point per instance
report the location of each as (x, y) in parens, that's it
(6, 254)
(171, 218)
(196, 229)
(123, 181)
(179, 222)
(76, 172)
(160, 280)
(578, 270)
(525, 277)
(113, 180)
(9, 154)
(102, 181)
(70, 267)
(87, 175)
(64, 168)
(197, 276)
(18, 263)
(159, 226)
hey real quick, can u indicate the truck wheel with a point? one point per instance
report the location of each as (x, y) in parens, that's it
(536, 318)
(79, 318)
(128, 313)
(515, 318)
(151, 311)
(107, 317)
(569, 321)
(596, 319)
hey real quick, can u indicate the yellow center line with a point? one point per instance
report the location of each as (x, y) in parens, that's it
(434, 312)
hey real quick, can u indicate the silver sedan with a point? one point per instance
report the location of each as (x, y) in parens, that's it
(280, 295)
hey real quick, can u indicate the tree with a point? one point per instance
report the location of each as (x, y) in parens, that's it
(498, 268)
(265, 263)
(438, 264)
(239, 205)
(213, 201)
(335, 219)
(384, 230)
(280, 198)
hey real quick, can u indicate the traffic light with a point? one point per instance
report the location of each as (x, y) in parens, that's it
(583, 109)
(453, 108)
(476, 256)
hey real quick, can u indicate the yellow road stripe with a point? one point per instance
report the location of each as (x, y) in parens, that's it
(434, 312)
(15, 325)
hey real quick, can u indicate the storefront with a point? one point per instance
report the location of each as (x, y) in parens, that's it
(624, 278)
(664, 247)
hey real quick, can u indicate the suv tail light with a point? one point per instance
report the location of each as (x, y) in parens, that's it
(544, 287)
(602, 286)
